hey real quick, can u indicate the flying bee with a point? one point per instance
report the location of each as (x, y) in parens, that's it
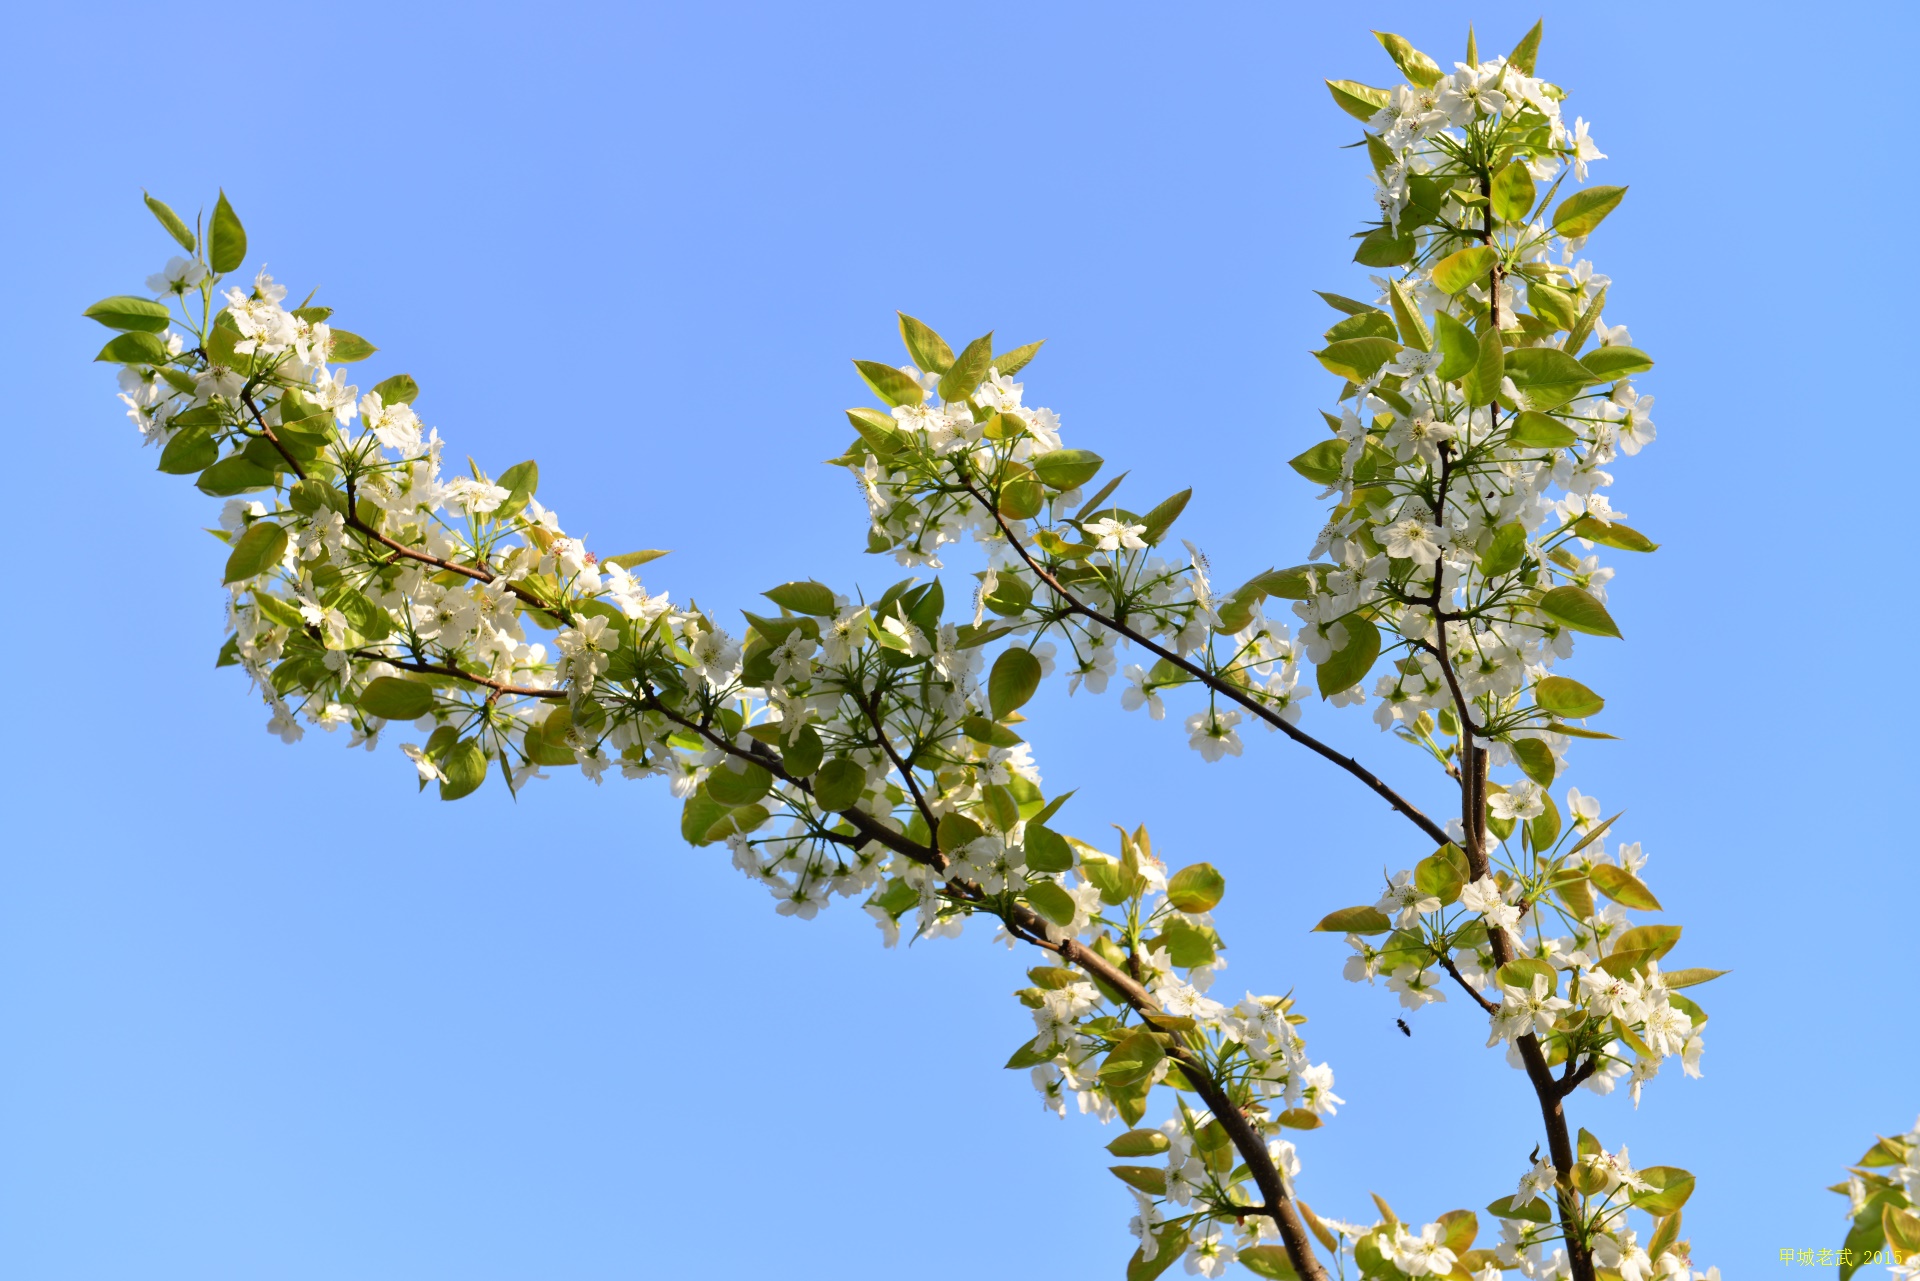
(1403, 1026)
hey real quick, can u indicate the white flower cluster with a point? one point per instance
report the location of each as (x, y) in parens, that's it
(1883, 1202)
(1616, 997)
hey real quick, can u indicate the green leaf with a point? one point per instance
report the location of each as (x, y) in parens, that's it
(808, 597)
(1565, 697)
(956, 832)
(1052, 902)
(1464, 267)
(1356, 359)
(982, 730)
(522, 481)
(123, 311)
(1902, 1228)
(1349, 665)
(1534, 430)
(890, 384)
(367, 618)
(1614, 534)
(1171, 1244)
(697, 817)
(928, 349)
(258, 550)
(1414, 65)
(1513, 192)
(1198, 887)
(227, 249)
(1572, 607)
(1623, 887)
(1520, 973)
(1321, 464)
(1352, 306)
(1354, 920)
(232, 476)
(276, 610)
(1554, 305)
(1461, 1228)
(397, 390)
(1610, 364)
(1367, 324)
(1506, 552)
(736, 789)
(1671, 1188)
(1691, 977)
(1581, 212)
(1012, 362)
(1148, 1178)
(190, 451)
(344, 348)
(1406, 316)
(1021, 498)
(465, 765)
(632, 560)
(1544, 827)
(1015, 677)
(1139, 1143)
(1133, 1060)
(1579, 334)
(1357, 100)
(1549, 368)
(1523, 56)
(394, 698)
(880, 431)
(1459, 348)
(1296, 583)
(1047, 850)
(741, 819)
(1024, 1057)
(1534, 1211)
(1381, 248)
(1443, 873)
(138, 348)
(969, 368)
(1189, 945)
(1065, 469)
(181, 233)
(801, 755)
(839, 784)
(1863, 1241)
(1535, 759)
(1481, 385)
(1161, 518)
(1269, 1261)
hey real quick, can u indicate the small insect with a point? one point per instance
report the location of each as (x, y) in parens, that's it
(1403, 1026)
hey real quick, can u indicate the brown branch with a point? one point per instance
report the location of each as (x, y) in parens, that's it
(1076, 606)
(862, 822)
(436, 669)
(872, 709)
(1278, 1204)
(272, 439)
(476, 573)
(1479, 997)
(1473, 791)
(1572, 1079)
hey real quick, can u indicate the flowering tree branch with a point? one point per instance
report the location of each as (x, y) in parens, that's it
(865, 745)
(1075, 605)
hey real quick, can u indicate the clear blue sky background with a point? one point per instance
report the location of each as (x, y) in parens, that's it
(268, 1014)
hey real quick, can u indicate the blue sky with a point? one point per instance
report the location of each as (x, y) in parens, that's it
(269, 1014)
